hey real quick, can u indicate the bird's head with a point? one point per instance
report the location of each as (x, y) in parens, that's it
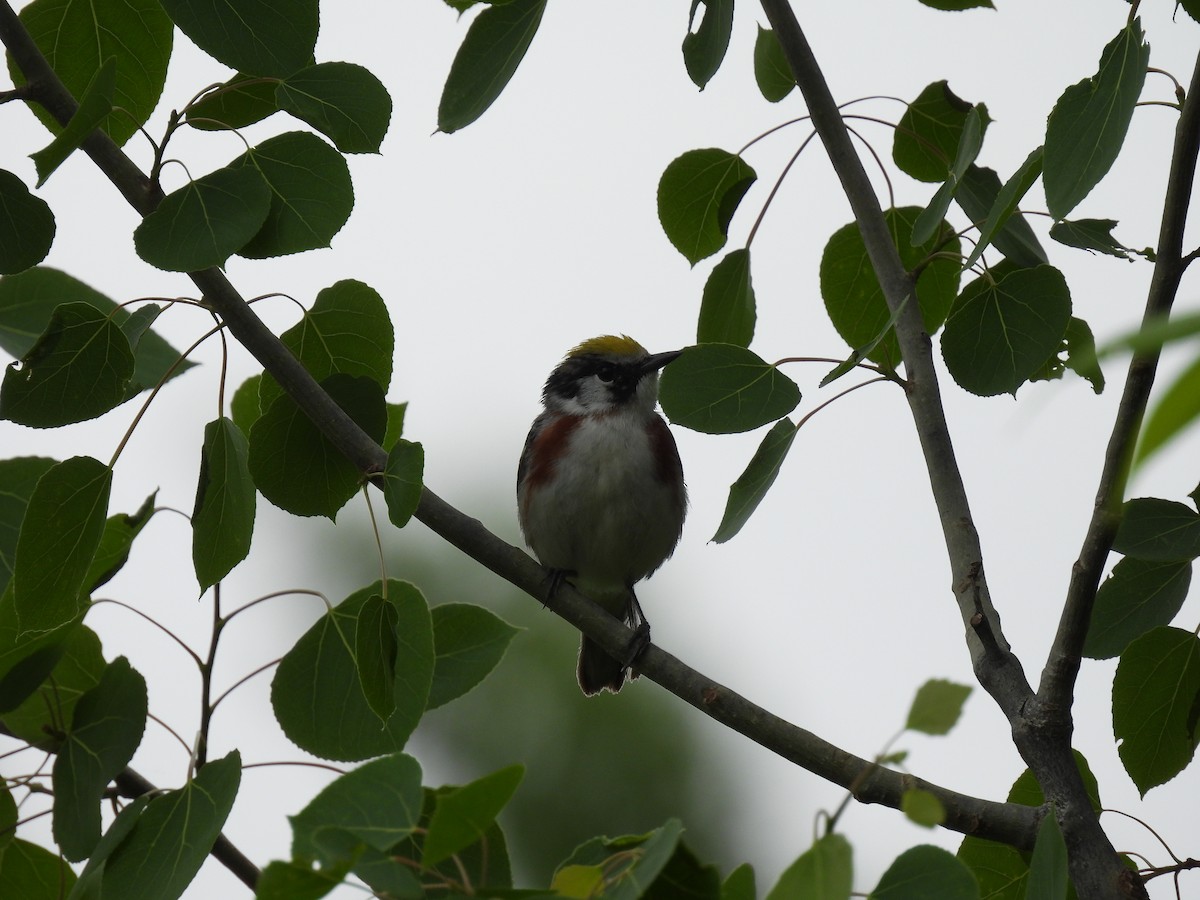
(605, 374)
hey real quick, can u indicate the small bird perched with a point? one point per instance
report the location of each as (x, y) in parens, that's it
(600, 491)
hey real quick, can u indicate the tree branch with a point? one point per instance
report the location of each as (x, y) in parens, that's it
(1008, 823)
(1044, 743)
(1057, 686)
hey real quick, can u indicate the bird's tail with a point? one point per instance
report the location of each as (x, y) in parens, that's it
(598, 670)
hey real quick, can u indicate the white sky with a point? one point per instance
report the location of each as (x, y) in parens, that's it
(499, 247)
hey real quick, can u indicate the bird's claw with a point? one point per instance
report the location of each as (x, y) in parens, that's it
(637, 645)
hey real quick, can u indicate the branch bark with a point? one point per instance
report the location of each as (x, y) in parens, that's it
(1008, 823)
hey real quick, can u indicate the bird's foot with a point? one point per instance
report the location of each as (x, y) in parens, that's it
(555, 577)
(637, 645)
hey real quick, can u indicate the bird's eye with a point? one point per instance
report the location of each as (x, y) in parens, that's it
(606, 373)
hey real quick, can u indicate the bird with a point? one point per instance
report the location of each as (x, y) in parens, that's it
(600, 492)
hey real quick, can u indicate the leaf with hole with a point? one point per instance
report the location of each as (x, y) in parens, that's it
(697, 197)
(79, 368)
(704, 46)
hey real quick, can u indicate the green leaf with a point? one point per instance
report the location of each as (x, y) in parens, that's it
(462, 816)
(312, 195)
(18, 477)
(241, 101)
(957, 5)
(28, 302)
(469, 642)
(752, 485)
(1158, 529)
(977, 195)
(629, 864)
(1028, 792)
(1000, 870)
(8, 817)
(1048, 868)
(79, 369)
(1139, 595)
(851, 290)
(929, 222)
(937, 706)
(704, 46)
(1004, 326)
(26, 226)
(33, 873)
(485, 863)
(1155, 693)
(299, 469)
(697, 197)
(171, 839)
(120, 530)
(377, 805)
(1005, 204)
(320, 673)
(94, 106)
(928, 135)
(61, 531)
(106, 729)
(922, 807)
(395, 424)
(375, 647)
(1087, 126)
(923, 872)
(348, 331)
(297, 881)
(722, 389)
(77, 39)
(739, 884)
(343, 101)
(205, 222)
(727, 311)
(494, 46)
(402, 481)
(1093, 235)
(75, 667)
(771, 70)
(89, 885)
(245, 408)
(1176, 409)
(259, 37)
(825, 871)
(223, 516)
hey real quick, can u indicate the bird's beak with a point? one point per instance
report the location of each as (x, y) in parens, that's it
(656, 361)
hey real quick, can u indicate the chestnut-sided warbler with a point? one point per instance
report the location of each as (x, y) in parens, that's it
(600, 489)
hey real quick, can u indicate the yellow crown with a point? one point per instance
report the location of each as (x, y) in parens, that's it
(609, 345)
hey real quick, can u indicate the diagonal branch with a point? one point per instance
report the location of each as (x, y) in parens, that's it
(1005, 822)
